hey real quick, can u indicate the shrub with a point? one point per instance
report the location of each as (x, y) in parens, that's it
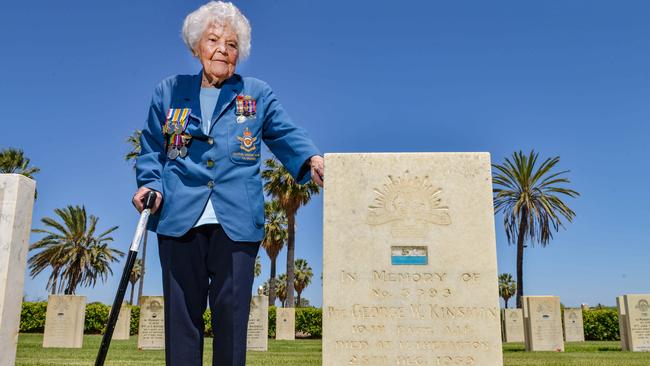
(32, 317)
(135, 319)
(271, 321)
(96, 318)
(601, 324)
(310, 320)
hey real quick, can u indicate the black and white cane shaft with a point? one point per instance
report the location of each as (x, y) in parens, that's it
(124, 282)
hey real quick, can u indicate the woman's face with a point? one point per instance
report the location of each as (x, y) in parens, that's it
(218, 50)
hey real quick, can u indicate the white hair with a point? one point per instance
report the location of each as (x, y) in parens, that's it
(222, 13)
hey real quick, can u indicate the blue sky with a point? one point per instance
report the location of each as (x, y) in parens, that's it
(567, 78)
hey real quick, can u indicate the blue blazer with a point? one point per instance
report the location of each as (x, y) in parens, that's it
(224, 165)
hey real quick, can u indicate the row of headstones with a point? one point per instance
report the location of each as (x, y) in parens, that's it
(64, 323)
(539, 326)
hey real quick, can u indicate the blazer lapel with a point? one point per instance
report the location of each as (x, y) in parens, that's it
(229, 91)
(193, 101)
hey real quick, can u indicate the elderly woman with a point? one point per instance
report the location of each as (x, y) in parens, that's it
(201, 155)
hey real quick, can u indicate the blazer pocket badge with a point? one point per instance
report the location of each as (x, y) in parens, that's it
(247, 141)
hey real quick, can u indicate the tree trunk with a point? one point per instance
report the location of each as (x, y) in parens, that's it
(132, 286)
(291, 220)
(520, 257)
(54, 286)
(272, 283)
(506, 301)
(144, 257)
(298, 302)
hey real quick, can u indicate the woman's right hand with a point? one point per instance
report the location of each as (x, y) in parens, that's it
(139, 196)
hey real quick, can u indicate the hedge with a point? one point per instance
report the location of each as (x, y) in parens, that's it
(599, 324)
(32, 319)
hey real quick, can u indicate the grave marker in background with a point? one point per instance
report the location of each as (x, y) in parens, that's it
(16, 205)
(64, 321)
(151, 334)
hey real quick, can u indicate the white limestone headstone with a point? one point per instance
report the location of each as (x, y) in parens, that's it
(574, 330)
(16, 205)
(513, 325)
(123, 326)
(151, 331)
(544, 324)
(258, 324)
(622, 323)
(64, 321)
(410, 275)
(637, 308)
(285, 324)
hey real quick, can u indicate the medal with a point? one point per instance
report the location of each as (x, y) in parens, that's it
(174, 128)
(172, 154)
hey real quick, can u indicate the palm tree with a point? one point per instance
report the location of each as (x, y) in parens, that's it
(275, 235)
(529, 196)
(303, 277)
(507, 287)
(13, 161)
(258, 266)
(76, 254)
(134, 141)
(136, 274)
(290, 196)
(281, 288)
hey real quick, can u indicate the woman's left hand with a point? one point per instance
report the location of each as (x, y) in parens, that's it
(317, 169)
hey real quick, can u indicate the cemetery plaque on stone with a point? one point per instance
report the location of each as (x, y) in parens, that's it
(544, 324)
(410, 261)
(16, 205)
(622, 323)
(285, 324)
(151, 333)
(573, 325)
(513, 325)
(637, 308)
(258, 324)
(123, 325)
(64, 321)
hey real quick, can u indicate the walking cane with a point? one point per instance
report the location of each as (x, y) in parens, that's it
(149, 201)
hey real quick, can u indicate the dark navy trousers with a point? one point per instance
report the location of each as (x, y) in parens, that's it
(205, 264)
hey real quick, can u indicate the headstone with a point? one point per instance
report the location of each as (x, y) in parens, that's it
(16, 204)
(524, 312)
(409, 262)
(622, 323)
(513, 325)
(151, 332)
(584, 307)
(544, 324)
(285, 324)
(573, 325)
(258, 324)
(64, 321)
(123, 325)
(637, 308)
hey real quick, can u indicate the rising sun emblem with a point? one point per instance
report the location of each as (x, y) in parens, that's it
(410, 204)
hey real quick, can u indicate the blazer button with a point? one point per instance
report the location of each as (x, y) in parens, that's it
(209, 163)
(210, 141)
(211, 184)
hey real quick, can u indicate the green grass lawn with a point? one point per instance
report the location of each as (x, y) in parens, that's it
(308, 353)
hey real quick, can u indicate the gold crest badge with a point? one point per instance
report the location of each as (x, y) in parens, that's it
(247, 141)
(410, 204)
